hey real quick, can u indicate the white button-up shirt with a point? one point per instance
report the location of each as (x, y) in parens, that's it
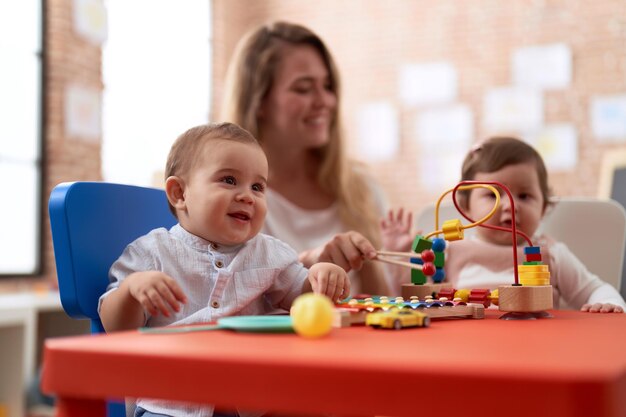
(248, 279)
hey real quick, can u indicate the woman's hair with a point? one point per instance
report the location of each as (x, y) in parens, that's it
(250, 78)
(184, 153)
(497, 153)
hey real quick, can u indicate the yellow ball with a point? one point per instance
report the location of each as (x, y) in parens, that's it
(312, 315)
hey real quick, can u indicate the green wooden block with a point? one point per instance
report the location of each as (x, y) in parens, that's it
(421, 244)
(533, 263)
(418, 277)
(440, 259)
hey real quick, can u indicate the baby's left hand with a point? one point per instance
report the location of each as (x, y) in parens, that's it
(602, 308)
(330, 280)
(396, 231)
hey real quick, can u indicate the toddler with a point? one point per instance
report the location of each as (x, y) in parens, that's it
(485, 261)
(214, 262)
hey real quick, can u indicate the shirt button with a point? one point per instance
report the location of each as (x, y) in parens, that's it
(219, 264)
(215, 304)
(214, 246)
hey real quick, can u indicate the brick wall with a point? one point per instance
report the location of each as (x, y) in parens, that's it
(371, 39)
(70, 60)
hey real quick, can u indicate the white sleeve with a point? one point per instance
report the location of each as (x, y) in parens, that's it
(134, 258)
(606, 294)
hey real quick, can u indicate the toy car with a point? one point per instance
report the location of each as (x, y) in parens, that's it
(397, 319)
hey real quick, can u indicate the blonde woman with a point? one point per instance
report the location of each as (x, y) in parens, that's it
(283, 87)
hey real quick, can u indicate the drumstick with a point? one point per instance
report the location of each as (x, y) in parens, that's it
(407, 264)
(405, 254)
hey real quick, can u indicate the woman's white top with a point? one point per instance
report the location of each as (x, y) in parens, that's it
(300, 228)
(304, 229)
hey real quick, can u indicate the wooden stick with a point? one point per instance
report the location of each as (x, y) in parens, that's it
(407, 264)
(405, 254)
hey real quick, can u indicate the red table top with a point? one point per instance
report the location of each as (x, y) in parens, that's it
(571, 365)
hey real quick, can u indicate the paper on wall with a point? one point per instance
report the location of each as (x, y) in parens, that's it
(608, 118)
(445, 135)
(378, 134)
(542, 67)
(428, 83)
(83, 109)
(451, 127)
(512, 109)
(558, 146)
(90, 20)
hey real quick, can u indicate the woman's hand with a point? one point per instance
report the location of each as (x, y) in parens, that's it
(348, 250)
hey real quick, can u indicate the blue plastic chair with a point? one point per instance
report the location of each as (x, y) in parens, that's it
(92, 222)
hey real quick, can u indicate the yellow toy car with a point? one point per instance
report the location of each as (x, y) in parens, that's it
(397, 319)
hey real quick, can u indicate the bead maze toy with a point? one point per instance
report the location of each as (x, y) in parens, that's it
(527, 298)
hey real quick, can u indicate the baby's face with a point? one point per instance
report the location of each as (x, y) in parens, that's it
(523, 182)
(225, 193)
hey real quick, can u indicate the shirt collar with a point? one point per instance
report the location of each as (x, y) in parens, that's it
(201, 244)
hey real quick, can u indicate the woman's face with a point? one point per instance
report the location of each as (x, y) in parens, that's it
(300, 107)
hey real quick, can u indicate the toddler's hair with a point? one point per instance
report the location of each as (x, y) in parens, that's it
(498, 152)
(185, 151)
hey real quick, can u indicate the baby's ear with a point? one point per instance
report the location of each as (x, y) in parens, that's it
(463, 200)
(547, 206)
(175, 191)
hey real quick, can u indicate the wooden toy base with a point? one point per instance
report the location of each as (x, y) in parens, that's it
(525, 298)
(345, 317)
(469, 311)
(512, 315)
(422, 291)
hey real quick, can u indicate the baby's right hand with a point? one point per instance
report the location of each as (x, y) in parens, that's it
(396, 230)
(602, 308)
(330, 280)
(156, 292)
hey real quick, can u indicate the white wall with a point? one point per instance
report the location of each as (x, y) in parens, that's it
(156, 71)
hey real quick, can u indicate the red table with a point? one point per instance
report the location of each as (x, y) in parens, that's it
(571, 365)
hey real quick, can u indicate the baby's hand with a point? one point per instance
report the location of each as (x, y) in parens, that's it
(602, 308)
(156, 292)
(396, 230)
(330, 280)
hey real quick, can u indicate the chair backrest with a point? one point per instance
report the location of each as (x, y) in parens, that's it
(92, 222)
(594, 230)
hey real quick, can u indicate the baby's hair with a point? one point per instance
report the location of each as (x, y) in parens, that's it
(184, 153)
(498, 152)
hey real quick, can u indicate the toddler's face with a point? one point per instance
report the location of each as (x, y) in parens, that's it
(225, 193)
(523, 182)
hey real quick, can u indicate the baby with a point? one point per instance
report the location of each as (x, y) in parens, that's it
(214, 262)
(486, 260)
